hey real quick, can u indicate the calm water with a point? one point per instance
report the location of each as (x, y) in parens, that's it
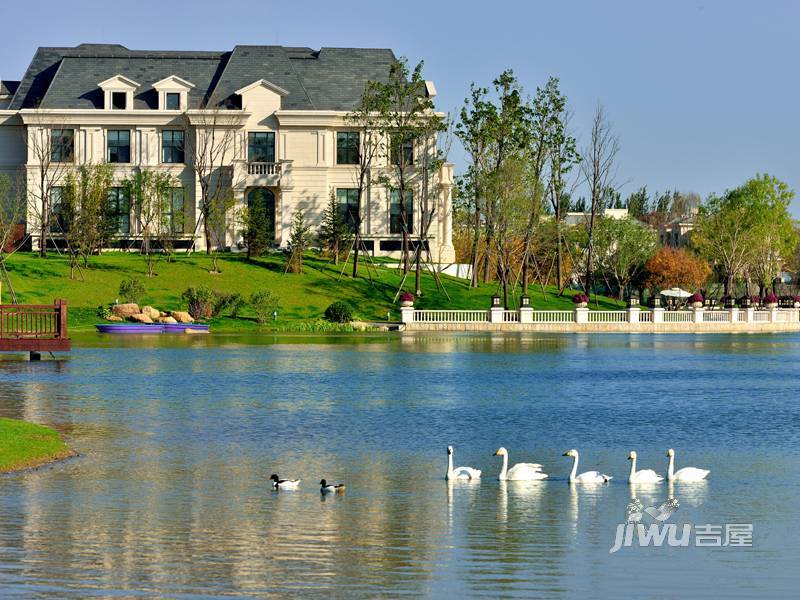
(170, 494)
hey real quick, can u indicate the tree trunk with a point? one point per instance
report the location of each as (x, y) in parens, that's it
(418, 275)
(559, 259)
(487, 259)
(356, 240)
(45, 224)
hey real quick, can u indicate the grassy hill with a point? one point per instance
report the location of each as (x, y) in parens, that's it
(303, 297)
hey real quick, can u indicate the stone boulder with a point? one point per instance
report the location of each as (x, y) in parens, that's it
(114, 318)
(151, 312)
(167, 320)
(140, 318)
(182, 316)
(125, 310)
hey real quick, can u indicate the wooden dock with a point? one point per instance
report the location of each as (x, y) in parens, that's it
(34, 328)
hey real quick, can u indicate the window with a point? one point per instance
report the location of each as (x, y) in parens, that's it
(395, 218)
(172, 146)
(174, 216)
(119, 208)
(62, 145)
(119, 146)
(261, 146)
(404, 148)
(347, 147)
(58, 223)
(347, 203)
(119, 100)
(173, 101)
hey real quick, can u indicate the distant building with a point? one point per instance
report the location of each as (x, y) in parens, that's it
(578, 218)
(675, 233)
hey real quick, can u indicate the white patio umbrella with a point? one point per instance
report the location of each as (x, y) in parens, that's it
(676, 292)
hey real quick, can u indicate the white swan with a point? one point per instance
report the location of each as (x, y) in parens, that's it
(520, 471)
(643, 476)
(283, 484)
(588, 476)
(686, 473)
(324, 488)
(460, 472)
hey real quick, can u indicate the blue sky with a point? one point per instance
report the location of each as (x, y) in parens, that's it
(702, 94)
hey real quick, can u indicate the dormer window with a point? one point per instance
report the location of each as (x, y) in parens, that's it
(119, 100)
(173, 93)
(118, 92)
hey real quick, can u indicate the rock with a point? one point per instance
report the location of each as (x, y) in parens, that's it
(114, 318)
(151, 312)
(182, 316)
(167, 320)
(140, 318)
(125, 310)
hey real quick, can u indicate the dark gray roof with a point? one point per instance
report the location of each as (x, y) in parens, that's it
(8, 87)
(328, 79)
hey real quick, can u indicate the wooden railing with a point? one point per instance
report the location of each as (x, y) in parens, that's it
(34, 327)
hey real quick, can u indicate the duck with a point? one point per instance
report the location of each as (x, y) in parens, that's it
(588, 476)
(520, 471)
(283, 484)
(460, 472)
(324, 488)
(643, 476)
(684, 474)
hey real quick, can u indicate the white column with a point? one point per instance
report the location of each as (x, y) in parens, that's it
(581, 315)
(749, 312)
(773, 315)
(733, 315)
(496, 314)
(526, 314)
(407, 314)
(658, 315)
(698, 314)
(633, 314)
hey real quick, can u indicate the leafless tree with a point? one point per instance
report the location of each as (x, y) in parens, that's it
(209, 145)
(599, 174)
(50, 155)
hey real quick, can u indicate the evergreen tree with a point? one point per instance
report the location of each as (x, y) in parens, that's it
(256, 229)
(334, 234)
(299, 241)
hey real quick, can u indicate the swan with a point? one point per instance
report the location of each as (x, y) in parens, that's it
(686, 473)
(460, 472)
(283, 484)
(588, 476)
(643, 476)
(324, 488)
(520, 471)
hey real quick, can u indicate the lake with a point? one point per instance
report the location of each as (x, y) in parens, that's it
(178, 437)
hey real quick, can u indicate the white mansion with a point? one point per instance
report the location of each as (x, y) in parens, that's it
(291, 147)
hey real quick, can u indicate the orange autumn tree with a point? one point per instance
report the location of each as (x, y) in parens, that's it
(676, 267)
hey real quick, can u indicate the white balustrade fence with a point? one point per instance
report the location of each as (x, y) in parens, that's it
(734, 318)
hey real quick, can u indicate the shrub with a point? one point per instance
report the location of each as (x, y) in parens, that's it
(696, 298)
(104, 311)
(580, 298)
(406, 297)
(131, 290)
(199, 302)
(264, 303)
(755, 299)
(770, 299)
(339, 312)
(231, 301)
(797, 299)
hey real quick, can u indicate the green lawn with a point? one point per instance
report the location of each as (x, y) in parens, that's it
(25, 445)
(303, 298)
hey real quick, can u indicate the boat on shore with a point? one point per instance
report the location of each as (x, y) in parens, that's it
(140, 328)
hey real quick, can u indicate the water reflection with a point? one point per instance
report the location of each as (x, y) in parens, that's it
(170, 495)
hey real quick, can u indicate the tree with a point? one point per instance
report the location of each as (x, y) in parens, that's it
(676, 267)
(12, 213)
(255, 226)
(50, 156)
(299, 241)
(150, 194)
(84, 218)
(597, 169)
(217, 220)
(334, 235)
(210, 137)
(622, 248)
(638, 203)
(747, 230)
(371, 145)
